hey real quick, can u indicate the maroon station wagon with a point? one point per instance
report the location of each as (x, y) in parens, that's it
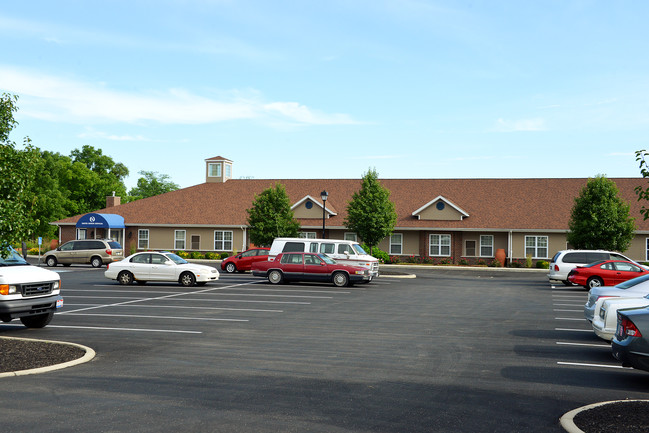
(243, 261)
(309, 267)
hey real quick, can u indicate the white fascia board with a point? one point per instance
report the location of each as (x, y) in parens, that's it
(318, 202)
(439, 197)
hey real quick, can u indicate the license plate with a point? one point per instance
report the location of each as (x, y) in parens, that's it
(59, 303)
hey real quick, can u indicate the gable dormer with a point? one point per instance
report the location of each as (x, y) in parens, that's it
(309, 207)
(440, 209)
(218, 169)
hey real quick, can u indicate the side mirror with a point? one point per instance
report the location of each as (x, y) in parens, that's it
(239, 256)
(58, 248)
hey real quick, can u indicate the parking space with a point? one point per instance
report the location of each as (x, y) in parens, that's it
(581, 347)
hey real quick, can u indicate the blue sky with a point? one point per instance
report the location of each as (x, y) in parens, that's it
(329, 89)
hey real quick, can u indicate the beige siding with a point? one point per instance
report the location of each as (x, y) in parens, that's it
(163, 238)
(447, 214)
(302, 212)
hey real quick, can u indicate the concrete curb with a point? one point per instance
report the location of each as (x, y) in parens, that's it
(567, 420)
(90, 354)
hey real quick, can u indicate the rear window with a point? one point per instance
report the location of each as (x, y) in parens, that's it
(115, 245)
(293, 247)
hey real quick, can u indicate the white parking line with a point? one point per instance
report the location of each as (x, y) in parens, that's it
(569, 305)
(604, 346)
(172, 331)
(158, 317)
(568, 311)
(251, 310)
(569, 318)
(584, 364)
(575, 330)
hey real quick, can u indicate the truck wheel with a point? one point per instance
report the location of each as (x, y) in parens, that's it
(340, 279)
(39, 321)
(96, 262)
(187, 279)
(275, 277)
(50, 261)
(125, 278)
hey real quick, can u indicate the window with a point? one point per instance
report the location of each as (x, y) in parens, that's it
(214, 170)
(647, 250)
(223, 240)
(345, 249)
(536, 246)
(396, 243)
(327, 248)
(440, 245)
(141, 258)
(306, 235)
(469, 248)
(82, 234)
(486, 246)
(349, 236)
(158, 259)
(292, 259)
(179, 238)
(293, 247)
(196, 242)
(143, 239)
(228, 170)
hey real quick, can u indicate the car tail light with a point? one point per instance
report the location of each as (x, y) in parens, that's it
(107, 266)
(556, 268)
(109, 252)
(627, 328)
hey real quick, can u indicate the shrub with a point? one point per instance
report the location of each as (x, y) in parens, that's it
(481, 262)
(224, 255)
(183, 254)
(446, 261)
(528, 261)
(426, 260)
(463, 262)
(32, 251)
(542, 264)
(494, 264)
(211, 256)
(196, 255)
(515, 264)
(394, 259)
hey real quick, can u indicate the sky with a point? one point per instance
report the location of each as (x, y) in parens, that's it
(332, 89)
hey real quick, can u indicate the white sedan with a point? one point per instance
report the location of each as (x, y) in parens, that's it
(605, 321)
(160, 266)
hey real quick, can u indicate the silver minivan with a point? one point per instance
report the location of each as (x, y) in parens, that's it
(97, 252)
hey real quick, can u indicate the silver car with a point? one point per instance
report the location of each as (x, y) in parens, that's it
(634, 288)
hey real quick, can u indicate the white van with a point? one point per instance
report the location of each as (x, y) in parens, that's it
(346, 252)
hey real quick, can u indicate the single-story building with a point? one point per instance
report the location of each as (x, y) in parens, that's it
(444, 218)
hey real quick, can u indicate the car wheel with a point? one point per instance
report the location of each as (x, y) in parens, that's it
(50, 261)
(340, 279)
(39, 321)
(125, 278)
(230, 268)
(594, 282)
(96, 262)
(187, 279)
(275, 277)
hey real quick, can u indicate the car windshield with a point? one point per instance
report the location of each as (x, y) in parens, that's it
(177, 259)
(11, 257)
(632, 282)
(359, 250)
(328, 260)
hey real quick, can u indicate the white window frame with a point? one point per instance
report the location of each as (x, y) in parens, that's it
(178, 240)
(214, 169)
(646, 249)
(307, 235)
(223, 244)
(490, 245)
(140, 238)
(82, 234)
(438, 248)
(351, 236)
(536, 248)
(228, 170)
(396, 244)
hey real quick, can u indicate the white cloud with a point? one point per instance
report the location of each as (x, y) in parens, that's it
(503, 125)
(64, 100)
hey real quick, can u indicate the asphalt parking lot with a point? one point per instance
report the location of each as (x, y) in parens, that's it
(450, 350)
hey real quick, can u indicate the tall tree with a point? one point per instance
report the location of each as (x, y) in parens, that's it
(16, 179)
(271, 217)
(600, 219)
(150, 184)
(643, 193)
(370, 213)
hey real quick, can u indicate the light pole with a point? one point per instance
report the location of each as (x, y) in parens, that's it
(323, 196)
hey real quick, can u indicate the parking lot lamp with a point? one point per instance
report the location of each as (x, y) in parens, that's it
(323, 196)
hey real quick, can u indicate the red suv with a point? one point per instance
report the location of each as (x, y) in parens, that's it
(243, 261)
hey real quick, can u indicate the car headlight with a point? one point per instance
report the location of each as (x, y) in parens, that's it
(8, 289)
(56, 285)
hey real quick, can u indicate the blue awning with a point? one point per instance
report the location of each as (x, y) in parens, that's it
(101, 220)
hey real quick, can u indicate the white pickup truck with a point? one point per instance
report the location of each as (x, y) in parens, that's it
(27, 292)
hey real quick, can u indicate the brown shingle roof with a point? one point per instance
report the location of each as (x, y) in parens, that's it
(500, 204)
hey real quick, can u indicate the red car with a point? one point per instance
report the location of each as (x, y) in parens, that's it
(243, 261)
(309, 267)
(605, 273)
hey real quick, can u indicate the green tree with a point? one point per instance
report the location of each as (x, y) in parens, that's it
(271, 216)
(600, 219)
(643, 193)
(16, 178)
(370, 213)
(152, 184)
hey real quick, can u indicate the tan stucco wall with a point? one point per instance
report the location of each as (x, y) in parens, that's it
(447, 214)
(315, 212)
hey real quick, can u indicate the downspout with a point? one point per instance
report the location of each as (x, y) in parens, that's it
(243, 241)
(509, 246)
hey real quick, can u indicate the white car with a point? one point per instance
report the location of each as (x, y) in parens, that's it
(160, 266)
(605, 320)
(634, 288)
